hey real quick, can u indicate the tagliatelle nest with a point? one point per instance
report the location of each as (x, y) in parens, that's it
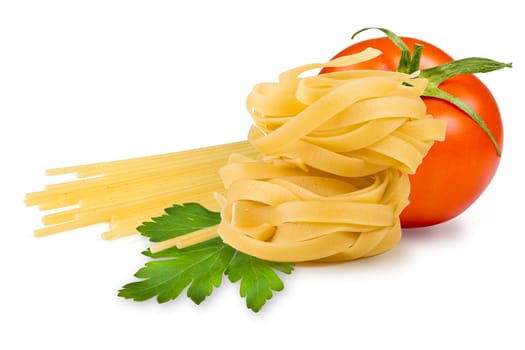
(331, 178)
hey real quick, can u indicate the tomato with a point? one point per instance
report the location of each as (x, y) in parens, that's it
(455, 172)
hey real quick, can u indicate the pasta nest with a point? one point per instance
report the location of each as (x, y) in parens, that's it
(332, 175)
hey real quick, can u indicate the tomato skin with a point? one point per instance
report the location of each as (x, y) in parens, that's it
(456, 171)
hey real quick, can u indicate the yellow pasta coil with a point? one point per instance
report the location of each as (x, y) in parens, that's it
(331, 178)
(306, 216)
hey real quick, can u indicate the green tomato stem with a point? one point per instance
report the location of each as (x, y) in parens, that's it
(416, 58)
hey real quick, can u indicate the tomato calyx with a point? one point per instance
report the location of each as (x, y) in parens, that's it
(409, 63)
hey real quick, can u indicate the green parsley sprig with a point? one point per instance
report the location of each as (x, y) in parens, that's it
(200, 268)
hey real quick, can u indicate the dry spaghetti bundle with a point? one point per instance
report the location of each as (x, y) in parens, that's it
(331, 179)
(125, 193)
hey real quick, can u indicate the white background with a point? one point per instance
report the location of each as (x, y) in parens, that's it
(86, 81)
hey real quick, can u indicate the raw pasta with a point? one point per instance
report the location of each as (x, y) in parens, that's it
(331, 178)
(127, 192)
(323, 176)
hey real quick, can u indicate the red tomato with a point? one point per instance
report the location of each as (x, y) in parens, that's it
(455, 172)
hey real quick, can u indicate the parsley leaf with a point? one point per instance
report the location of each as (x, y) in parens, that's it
(180, 219)
(258, 278)
(199, 268)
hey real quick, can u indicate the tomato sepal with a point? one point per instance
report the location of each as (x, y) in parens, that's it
(437, 75)
(405, 61)
(471, 65)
